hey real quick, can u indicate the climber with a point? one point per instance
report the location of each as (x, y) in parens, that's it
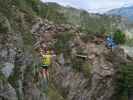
(46, 62)
(47, 56)
(110, 42)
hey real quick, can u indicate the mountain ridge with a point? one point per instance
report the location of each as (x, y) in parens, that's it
(124, 12)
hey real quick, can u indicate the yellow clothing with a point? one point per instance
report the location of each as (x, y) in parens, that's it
(46, 60)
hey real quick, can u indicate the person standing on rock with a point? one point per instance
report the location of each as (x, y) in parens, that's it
(47, 56)
(110, 42)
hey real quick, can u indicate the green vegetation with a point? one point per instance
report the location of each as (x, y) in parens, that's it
(6, 8)
(18, 16)
(26, 5)
(28, 38)
(2, 77)
(88, 23)
(129, 42)
(81, 65)
(4, 24)
(119, 37)
(62, 43)
(53, 94)
(86, 37)
(77, 63)
(2, 28)
(34, 4)
(14, 10)
(125, 81)
(86, 69)
(50, 12)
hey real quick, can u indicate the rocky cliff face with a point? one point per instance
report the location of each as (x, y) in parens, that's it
(83, 69)
(100, 83)
(17, 66)
(89, 70)
(17, 58)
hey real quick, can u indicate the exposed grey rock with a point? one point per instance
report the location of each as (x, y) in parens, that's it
(33, 93)
(5, 23)
(7, 92)
(17, 65)
(7, 69)
(62, 60)
(128, 50)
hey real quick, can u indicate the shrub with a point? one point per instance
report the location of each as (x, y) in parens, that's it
(86, 69)
(62, 43)
(119, 37)
(3, 29)
(81, 65)
(54, 93)
(34, 4)
(102, 30)
(28, 38)
(4, 24)
(125, 81)
(77, 64)
(85, 38)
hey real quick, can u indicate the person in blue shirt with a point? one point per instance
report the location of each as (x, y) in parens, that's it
(110, 42)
